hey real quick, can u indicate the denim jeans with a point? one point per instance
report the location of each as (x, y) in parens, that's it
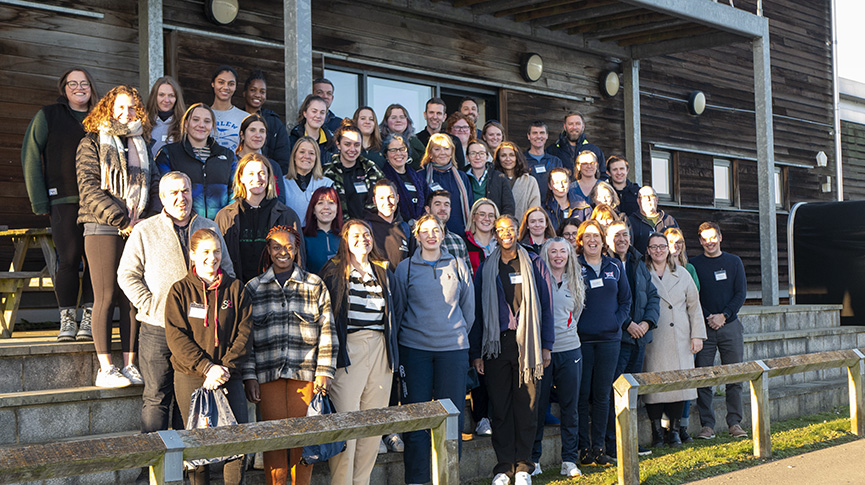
(565, 372)
(430, 375)
(599, 366)
(154, 358)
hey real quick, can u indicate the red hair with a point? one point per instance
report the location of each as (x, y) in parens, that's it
(310, 223)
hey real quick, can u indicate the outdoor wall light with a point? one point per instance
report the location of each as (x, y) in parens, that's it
(822, 159)
(221, 12)
(532, 67)
(697, 103)
(609, 83)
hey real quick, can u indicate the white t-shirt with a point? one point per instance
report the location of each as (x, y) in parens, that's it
(228, 126)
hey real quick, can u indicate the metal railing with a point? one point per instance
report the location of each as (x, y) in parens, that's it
(165, 451)
(628, 386)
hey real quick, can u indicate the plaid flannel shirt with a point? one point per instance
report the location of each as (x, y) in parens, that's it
(457, 247)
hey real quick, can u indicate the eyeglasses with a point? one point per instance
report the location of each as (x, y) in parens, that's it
(658, 247)
(397, 150)
(477, 154)
(570, 236)
(76, 84)
(482, 215)
(460, 129)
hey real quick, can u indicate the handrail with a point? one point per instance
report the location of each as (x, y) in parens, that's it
(165, 451)
(628, 386)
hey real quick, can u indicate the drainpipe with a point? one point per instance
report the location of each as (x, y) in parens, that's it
(836, 105)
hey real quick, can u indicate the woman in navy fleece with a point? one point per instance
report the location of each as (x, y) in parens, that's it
(608, 305)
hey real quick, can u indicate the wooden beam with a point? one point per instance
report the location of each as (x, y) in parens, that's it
(536, 6)
(682, 45)
(687, 30)
(466, 3)
(760, 418)
(643, 21)
(609, 13)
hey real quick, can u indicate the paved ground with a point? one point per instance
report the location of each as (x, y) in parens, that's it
(835, 465)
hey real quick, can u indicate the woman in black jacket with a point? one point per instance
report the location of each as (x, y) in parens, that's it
(118, 184)
(310, 122)
(278, 146)
(487, 181)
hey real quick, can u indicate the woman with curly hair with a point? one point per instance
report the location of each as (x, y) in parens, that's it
(118, 183)
(462, 127)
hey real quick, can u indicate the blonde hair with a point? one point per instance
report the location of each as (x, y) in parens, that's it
(239, 189)
(572, 271)
(476, 207)
(439, 139)
(317, 172)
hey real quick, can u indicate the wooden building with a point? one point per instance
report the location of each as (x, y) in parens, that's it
(375, 49)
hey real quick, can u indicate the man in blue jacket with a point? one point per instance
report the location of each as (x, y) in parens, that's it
(540, 162)
(572, 141)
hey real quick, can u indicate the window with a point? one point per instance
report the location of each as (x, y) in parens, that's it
(662, 174)
(345, 92)
(779, 188)
(723, 182)
(381, 93)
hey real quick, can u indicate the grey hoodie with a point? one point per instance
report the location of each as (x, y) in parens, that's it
(434, 304)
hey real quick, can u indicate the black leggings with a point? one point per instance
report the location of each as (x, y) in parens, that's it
(69, 243)
(673, 410)
(104, 253)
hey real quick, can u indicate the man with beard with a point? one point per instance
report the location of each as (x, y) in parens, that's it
(434, 114)
(572, 141)
(469, 107)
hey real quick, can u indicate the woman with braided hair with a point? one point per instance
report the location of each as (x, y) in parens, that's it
(292, 351)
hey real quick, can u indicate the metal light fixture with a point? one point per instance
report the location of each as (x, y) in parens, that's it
(609, 84)
(221, 12)
(822, 159)
(532, 67)
(697, 103)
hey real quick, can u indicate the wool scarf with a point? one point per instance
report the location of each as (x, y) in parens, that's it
(408, 210)
(124, 177)
(461, 187)
(530, 359)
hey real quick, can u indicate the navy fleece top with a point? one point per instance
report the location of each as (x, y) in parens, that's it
(722, 284)
(608, 302)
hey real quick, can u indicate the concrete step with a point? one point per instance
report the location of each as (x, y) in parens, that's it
(761, 319)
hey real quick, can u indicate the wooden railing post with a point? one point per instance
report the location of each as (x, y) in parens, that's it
(445, 447)
(626, 388)
(169, 469)
(857, 407)
(760, 412)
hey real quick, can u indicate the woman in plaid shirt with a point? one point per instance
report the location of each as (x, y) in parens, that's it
(294, 345)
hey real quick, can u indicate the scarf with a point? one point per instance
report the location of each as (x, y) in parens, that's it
(406, 208)
(125, 178)
(461, 187)
(529, 319)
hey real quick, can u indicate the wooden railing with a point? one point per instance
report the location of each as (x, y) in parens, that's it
(628, 386)
(165, 451)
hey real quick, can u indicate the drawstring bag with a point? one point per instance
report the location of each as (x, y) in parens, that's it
(320, 406)
(209, 409)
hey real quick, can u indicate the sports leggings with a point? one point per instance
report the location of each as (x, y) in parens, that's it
(69, 243)
(103, 253)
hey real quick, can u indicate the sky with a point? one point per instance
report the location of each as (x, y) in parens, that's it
(850, 15)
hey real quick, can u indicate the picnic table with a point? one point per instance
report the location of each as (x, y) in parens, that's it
(16, 280)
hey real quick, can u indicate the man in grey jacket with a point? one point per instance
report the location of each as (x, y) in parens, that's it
(155, 257)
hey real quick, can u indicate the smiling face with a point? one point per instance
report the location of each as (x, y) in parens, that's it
(366, 122)
(430, 235)
(559, 184)
(304, 158)
(603, 196)
(176, 197)
(484, 218)
(349, 147)
(397, 155)
(254, 179)
(79, 95)
(255, 94)
(224, 86)
(462, 130)
(493, 136)
(537, 222)
(124, 109)
(618, 238)
(676, 243)
(588, 166)
(282, 249)
(508, 160)
(199, 125)
(477, 156)
(658, 248)
(648, 201)
(710, 239)
(470, 109)
(440, 154)
(397, 122)
(166, 98)
(618, 171)
(359, 242)
(574, 127)
(206, 258)
(315, 114)
(324, 210)
(557, 253)
(255, 136)
(386, 201)
(506, 234)
(440, 207)
(569, 232)
(592, 242)
(325, 91)
(538, 137)
(434, 116)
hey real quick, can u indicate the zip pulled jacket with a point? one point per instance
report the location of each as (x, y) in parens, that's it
(211, 179)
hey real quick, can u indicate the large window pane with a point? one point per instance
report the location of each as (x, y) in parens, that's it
(661, 174)
(346, 98)
(380, 93)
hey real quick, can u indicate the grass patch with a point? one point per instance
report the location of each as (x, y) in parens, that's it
(707, 458)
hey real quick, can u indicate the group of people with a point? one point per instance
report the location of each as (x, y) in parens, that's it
(378, 264)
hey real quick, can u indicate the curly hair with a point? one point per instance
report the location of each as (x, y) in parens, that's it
(104, 110)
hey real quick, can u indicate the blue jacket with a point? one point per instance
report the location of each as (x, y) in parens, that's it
(540, 170)
(568, 154)
(211, 179)
(644, 295)
(642, 228)
(608, 302)
(446, 181)
(577, 208)
(545, 293)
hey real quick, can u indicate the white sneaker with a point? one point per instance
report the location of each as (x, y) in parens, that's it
(131, 373)
(501, 479)
(394, 443)
(483, 428)
(111, 377)
(522, 478)
(537, 471)
(382, 448)
(569, 469)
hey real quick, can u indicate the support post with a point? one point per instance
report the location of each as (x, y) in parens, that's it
(150, 45)
(445, 447)
(760, 412)
(766, 169)
(297, 37)
(857, 407)
(626, 388)
(169, 469)
(633, 136)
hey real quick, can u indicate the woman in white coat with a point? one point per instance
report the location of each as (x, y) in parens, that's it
(679, 336)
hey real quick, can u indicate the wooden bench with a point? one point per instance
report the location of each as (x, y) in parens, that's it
(15, 281)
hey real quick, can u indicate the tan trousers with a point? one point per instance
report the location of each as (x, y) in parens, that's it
(280, 399)
(365, 384)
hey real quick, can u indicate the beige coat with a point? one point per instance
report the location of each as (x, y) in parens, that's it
(526, 195)
(681, 320)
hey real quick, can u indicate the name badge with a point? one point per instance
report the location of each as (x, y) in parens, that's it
(374, 304)
(164, 137)
(360, 188)
(596, 283)
(410, 187)
(516, 279)
(435, 186)
(197, 310)
(540, 169)
(52, 191)
(720, 275)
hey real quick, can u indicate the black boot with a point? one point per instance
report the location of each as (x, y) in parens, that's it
(684, 436)
(657, 433)
(673, 438)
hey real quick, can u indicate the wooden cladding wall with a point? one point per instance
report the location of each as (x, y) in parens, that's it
(853, 154)
(36, 47)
